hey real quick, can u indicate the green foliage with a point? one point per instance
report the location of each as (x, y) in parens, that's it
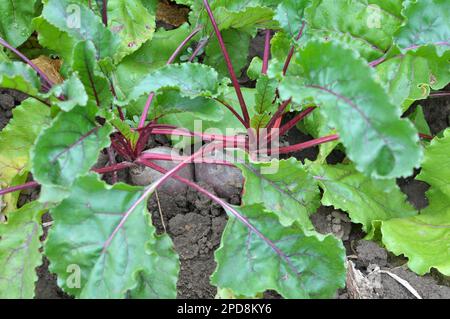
(134, 261)
(425, 238)
(15, 20)
(18, 76)
(20, 252)
(378, 141)
(16, 139)
(305, 265)
(357, 66)
(365, 199)
(283, 187)
(68, 148)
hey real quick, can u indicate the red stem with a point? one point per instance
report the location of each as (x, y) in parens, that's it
(179, 158)
(181, 46)
(172, 58)
(234, 79)
(312, 143)
(286, 127)
(108, 169)
(278, 113)
(200, 46)
(265, 65)
(235, 140)
(150, 189)
(292, 50)
(29, 62)
(105, 13)
(238, 116)
(439, 94)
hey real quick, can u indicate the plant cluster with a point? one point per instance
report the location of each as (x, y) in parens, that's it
(345, 72)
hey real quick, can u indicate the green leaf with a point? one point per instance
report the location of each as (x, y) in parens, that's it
(150, 56)
(365, 199)
(409, 77)
(15, 20)
(284, 187)
(427, 24)
(237, 44)
(290, 15)
(418, 118)
(306, 265)
(136, 261)
(19, 76)
(376, 138)
(133, 24)
(73, 92)
(264, 99)
(16, 140)
(436, 156)
(81, 24)
(19, 252)
(94, 81)
(362, 24)
(68, 148)
(425, 239)
(255, 68)
(191, 79)
(54, 39)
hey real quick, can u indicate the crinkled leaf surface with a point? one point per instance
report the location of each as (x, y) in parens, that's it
(51, 37)
(19, 252)
(409, 77)
(68, 148)
(150, 56)
(369, 125)
(425, 239)
(282, 186)
(306, 265)
(191, 79)
(365, 199)
(19, 76)
(132, 22)
(136, 262)
(81, 23)
(366, 26)
(15, 20)
(427, 24)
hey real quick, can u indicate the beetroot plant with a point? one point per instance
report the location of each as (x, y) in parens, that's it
(344, 72)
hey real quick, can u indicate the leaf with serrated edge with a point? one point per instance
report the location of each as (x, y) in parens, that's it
(364, 198)
(81, 23)
(364, 25)
(15, 20)
(380, 143)
(305, 265)
(136, 262)
(191, 79)
(427, 23)
(425, 239)
(19, 252)
(19, 76)
(130, 20)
